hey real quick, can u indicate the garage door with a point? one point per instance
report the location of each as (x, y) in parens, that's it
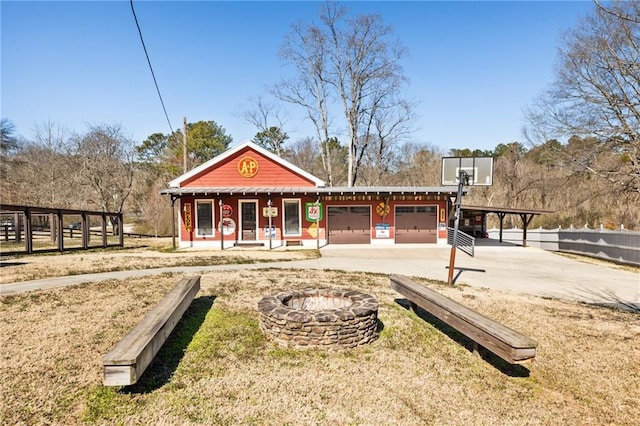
(416, 224)
(349, 225)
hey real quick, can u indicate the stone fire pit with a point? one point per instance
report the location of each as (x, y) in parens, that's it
(323, 318)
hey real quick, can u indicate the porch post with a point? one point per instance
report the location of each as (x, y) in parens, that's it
(221, 203)
(173, 222)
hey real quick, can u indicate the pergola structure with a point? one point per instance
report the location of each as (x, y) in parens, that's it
(525, 214)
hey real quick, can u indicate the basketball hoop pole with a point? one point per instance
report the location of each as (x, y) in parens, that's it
(462, 179)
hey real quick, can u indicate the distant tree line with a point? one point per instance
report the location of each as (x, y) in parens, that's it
(546, 178)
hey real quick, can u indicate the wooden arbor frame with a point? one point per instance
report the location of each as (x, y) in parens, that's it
(29, 211)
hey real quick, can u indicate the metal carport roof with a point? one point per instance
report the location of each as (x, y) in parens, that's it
(525, 214)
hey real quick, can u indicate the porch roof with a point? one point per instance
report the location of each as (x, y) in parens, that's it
(318, 191)
(504, 210)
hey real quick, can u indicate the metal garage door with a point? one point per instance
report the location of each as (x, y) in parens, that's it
(416, 224)
(349, 225)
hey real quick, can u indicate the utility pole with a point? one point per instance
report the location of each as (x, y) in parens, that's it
(184, 145)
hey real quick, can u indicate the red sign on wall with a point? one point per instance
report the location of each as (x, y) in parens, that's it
(227, 210)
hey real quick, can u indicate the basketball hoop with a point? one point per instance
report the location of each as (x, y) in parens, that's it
(461, 171)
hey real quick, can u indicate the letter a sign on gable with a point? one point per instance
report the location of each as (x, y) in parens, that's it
(247, 167)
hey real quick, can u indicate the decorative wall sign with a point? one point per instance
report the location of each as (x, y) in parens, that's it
(383, 230)
(313, 211)
(248, 167)
(186, 217)
(227, 210)
(270, 212)
(313, 230)
(383, 209)
(228, 226)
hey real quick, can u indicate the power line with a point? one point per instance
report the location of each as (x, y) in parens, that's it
(151, 68)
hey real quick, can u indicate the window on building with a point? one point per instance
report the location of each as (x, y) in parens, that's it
(204, 218)
(291, 217)
(427, 209)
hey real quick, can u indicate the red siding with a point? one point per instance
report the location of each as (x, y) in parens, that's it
(270, 174)
(262, 221)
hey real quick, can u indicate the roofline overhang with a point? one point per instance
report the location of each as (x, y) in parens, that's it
(507, 210)
(323, 191)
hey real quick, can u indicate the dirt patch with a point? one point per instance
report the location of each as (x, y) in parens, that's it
(219, 369)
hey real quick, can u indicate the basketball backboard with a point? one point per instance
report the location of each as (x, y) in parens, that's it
(479, 170)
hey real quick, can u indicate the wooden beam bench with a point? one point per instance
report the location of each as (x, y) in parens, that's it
(130, 357)
(503, 341)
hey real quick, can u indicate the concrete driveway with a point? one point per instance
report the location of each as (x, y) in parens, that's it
(498, 266)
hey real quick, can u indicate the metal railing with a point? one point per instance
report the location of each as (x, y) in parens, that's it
(465, 242)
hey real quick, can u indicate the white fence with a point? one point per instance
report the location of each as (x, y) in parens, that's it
(617, 246)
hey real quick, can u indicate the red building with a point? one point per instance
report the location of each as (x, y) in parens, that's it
(250, 196)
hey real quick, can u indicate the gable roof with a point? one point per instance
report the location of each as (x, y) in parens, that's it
(175, 183)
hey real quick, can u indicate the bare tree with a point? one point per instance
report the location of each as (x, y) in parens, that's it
(632, 14)
(596, 96)
(267, 118)
(350, 64)
(378, 157)
(49, 157)
(306, 154)
(40, 173)
(304, 48)
(420, 165)
(366, 76)
(104, 160)
(153, 209)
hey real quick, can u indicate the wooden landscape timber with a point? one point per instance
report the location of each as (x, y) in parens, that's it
(130, 357)
(503, 341)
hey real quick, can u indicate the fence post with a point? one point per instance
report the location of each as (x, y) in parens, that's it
(60, 229)
(121, 228)
(104, 229)
(52, 227)
(28, 230)
(17, 227)
(85, 231)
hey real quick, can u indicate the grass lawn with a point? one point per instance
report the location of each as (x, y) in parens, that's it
(217, 367)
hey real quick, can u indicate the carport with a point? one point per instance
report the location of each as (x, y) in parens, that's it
(526, 215)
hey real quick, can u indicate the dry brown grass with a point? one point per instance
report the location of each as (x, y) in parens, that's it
(137, 254)
(218, 369)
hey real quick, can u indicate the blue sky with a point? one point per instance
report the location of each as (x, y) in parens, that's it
(472, 66)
